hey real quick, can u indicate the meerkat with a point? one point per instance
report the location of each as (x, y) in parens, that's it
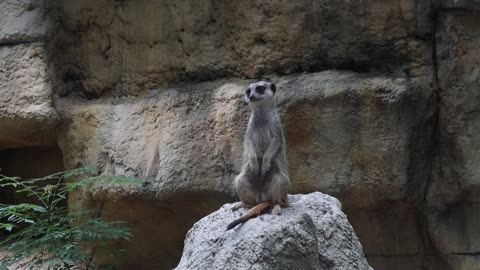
(263, 181)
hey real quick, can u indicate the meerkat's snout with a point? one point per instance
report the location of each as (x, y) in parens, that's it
(250, 95)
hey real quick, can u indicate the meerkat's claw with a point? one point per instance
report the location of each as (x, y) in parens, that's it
(276, 210)
(240, 205)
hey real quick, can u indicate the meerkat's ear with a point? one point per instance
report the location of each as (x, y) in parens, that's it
(273, 87)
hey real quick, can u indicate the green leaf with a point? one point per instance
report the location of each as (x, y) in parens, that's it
(7, 226)
(39, 208)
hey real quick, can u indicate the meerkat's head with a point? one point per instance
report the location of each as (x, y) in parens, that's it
(260, 93)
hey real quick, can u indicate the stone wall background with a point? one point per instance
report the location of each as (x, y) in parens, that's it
(378, 100)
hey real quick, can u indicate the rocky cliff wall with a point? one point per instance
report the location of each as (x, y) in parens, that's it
(378, 100)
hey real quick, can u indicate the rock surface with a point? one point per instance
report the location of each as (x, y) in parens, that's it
(153, 88)
(23, 21)
(352, 135)
(126, 47)
(453, 197)
(347, 134)
(27, 115)
(312, 233)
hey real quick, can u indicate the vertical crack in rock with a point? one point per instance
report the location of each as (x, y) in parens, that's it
(436, 98)
(447, 207)
(428, 248)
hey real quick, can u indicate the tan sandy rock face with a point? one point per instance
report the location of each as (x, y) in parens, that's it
(27, 116)
(154, 89)
(126, 47)
(192, 140)
(347, 134)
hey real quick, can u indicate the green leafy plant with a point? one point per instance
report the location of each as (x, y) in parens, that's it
(48, 235)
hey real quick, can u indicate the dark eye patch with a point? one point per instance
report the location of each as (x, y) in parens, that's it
(247, 92)
(260, 89)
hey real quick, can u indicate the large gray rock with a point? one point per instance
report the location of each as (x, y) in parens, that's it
(312, 233)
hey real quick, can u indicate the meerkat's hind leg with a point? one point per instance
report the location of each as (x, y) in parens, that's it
(277, 192)
(244, 191)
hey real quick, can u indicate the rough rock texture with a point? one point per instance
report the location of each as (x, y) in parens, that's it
(22, 21)
(345, 130)
(27, 116)
(457, 5)
(453, 199)
(356, 135)
(351, 135)
(312, 233)
(126, 47)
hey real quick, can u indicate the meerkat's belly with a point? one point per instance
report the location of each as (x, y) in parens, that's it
(261, 140)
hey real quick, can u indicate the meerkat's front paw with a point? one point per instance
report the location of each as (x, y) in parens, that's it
(265, 167)
(277, 209)
(254, 164)
(239, 205)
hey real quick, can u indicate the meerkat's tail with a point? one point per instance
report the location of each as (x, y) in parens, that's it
(251, 213)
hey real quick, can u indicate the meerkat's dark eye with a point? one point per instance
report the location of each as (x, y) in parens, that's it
(273, 87)
(247, 92)
(260, 89)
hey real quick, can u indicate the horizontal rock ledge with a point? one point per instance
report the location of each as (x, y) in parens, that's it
(348, 134)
